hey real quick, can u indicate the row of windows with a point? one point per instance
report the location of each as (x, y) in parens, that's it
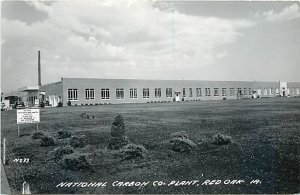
(105, 93)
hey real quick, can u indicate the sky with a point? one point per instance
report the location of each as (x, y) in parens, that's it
(190, 40)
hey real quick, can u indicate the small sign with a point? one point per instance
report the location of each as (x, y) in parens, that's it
(28, 116)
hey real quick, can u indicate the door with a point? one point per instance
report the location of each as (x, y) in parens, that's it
(177, 97)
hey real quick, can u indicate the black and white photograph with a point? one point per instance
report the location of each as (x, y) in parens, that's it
(150, 97)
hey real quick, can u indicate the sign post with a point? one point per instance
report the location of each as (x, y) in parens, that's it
(28, 116)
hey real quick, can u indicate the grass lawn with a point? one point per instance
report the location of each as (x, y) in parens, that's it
(265, 146)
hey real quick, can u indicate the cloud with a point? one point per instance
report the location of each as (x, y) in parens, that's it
(289, 13)
(119, 39)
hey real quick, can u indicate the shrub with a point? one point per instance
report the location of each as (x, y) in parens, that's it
(42, 105)
(221, 139)
(182, 145)
(59, 152)
(76, 142)
(118, 127)
(37, 135)
(60, 104)
(64, 134)
(132, 151)
(74, 162)
(47, 140)
(69, 103)
(115, 143)
(180, 134)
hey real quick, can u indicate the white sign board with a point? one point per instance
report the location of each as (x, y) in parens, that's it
(28, 116)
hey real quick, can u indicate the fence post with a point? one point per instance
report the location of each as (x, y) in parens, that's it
(4, 151)
(26, 188)
(18, 130)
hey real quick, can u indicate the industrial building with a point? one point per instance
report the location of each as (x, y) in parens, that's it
(92, 91)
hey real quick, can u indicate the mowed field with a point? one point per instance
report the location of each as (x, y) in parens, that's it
(266, 146)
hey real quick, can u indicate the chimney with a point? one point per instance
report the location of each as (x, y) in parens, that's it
(39, 69)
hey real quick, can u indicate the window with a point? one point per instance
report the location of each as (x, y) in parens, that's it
(298, 91)
(157, 92)
(198, 92)
(183, 92)
(239, 91)
(146, 93)
(271, 91)
(169, 92)
(133, 93)
(224, 92)
(231, 91)
(120, 94)
(105, 94)
(277, 91)
(89, 94)
(293, 90)
(258, 91)
(245, 91)
(207, 91)
(250, 91)
(265, 91)
(191, 92)
(72, 94)
(216, 91)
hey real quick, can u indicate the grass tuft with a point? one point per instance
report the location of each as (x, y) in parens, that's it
(37, 135)
(182, 144)
(76, 142)
(74, 162)
(132, 151)
(221, 139)
(47, 140)
(59, 152)
(64, 134)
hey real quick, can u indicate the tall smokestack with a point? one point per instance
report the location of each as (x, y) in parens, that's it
(39, 69)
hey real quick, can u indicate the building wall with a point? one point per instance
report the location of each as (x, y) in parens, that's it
(293, 89)
(53, 93)
(267, 89)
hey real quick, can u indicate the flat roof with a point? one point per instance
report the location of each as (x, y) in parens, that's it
(29, 88)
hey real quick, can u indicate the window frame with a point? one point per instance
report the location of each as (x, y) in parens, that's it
(216, 92)
(105, 94)
(89, 94)
(120, 93)
(224, 92)
(73, 94)
(157, 92)
(169, 92)
(146, 93)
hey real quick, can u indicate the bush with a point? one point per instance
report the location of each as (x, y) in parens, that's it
(69, 103)
(221, 139)
(60, 104)
(182, 144)
(59, 152)
(74, 162)
(180, 134)
(64, 134)
(132, 151)
(115, 143)
(76, 142)
(37, 135)
(42, 105)
(118, 127)
(47, 140)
